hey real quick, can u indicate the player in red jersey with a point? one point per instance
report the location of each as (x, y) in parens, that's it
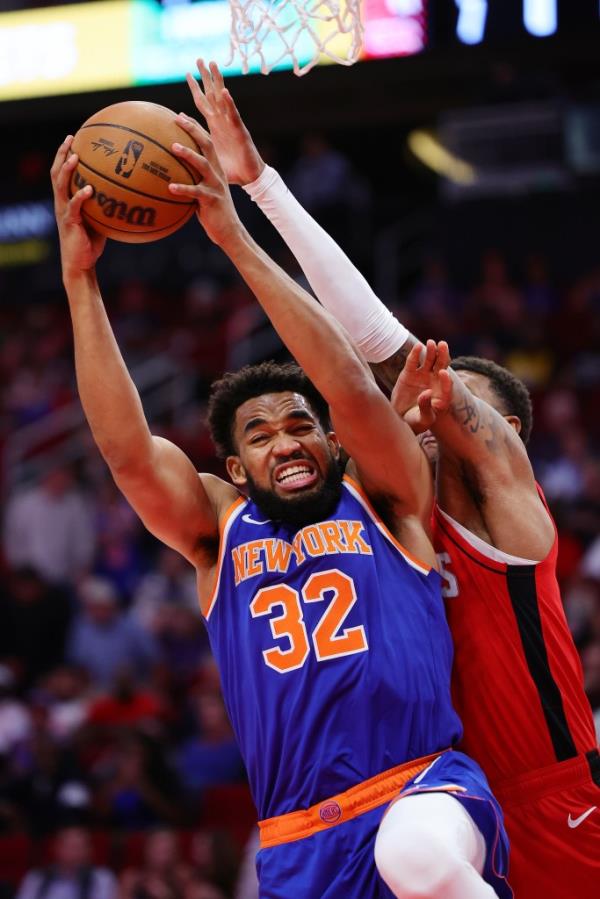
(518, 680)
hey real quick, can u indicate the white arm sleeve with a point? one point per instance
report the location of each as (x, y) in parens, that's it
(337, 284)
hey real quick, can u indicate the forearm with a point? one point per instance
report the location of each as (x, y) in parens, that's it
(316, 340)
(108, 395)
(473, 431)
(337, 283)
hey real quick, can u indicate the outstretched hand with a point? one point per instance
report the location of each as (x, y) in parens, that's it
(423, 390)
(80, 247)
(233, 144)
(216, 211)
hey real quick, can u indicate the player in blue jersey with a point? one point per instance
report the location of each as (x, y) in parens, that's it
(320, 591)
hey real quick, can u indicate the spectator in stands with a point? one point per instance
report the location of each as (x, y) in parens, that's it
(183, 643)
(127, 705)
(118, 557)
(210, 757)
(170, 584)
(247, 882)
(50, 528)
(590, 564)
(436, 306)
(591, 669)
(563, 476)
(46, 779)
(201, 889)
(104, 640)
(72, 873)
(162, 875)
(329, 187)
(541, 297)
(134, 321)
(496, 305)
(532, 359)
(34, 620)
(15, 718)
(138, 789)
(65, 693)
(213, 858)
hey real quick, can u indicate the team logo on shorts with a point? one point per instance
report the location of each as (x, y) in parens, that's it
(330, 812)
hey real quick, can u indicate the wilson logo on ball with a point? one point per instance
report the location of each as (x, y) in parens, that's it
(125, 155)
(111, 208)
(128, 161)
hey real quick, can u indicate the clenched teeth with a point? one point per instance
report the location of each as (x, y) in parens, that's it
(295, 473)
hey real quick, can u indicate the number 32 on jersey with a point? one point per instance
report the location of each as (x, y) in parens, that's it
(330, 638)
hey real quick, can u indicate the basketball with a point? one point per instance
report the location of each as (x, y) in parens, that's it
(125, 154)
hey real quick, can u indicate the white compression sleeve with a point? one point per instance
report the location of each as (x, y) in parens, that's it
(337, 284)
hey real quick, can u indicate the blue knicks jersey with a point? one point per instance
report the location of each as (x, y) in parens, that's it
(333, 649)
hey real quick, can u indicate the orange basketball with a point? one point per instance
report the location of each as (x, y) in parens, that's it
(125, 154)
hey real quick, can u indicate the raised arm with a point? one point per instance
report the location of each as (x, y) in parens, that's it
(158, 479)
(337, 283)
(368, 427)
(485, 478)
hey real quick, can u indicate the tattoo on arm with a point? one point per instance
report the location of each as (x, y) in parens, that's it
(476, 416)
(387, 371)
(467, 414)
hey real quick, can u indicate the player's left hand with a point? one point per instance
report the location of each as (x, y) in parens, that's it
(216, 211)
(237, 152)
(423, 390)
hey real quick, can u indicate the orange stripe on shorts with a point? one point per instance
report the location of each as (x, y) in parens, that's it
(369, 794)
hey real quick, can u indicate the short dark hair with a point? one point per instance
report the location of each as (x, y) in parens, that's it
(234, 388)
(508, 388)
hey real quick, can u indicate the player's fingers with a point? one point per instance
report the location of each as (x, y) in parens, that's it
(412, 360)
(61, 155)
(441, 402)
(429, 357)
(200, 101)
(201, 137)
(199, 162)
(197, 192)
(73, 213)
(233, 114)
(62, 179)
(443, 356)
(207, 81)
(217, 80)
(426, 409)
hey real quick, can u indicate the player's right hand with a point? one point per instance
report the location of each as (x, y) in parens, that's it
(235, 148)
(80, 247)
(423, 390)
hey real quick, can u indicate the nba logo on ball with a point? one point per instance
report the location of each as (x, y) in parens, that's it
(330, 812)
(125, 155)
(131, 154)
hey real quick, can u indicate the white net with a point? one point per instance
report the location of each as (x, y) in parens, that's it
(267, 33)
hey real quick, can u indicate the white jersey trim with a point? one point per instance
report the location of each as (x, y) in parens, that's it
(486, 549)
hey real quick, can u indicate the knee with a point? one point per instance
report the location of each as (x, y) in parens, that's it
(419, 866)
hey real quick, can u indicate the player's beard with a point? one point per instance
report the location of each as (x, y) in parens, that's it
(300, 509)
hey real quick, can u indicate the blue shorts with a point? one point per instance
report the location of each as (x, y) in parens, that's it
(339, 863)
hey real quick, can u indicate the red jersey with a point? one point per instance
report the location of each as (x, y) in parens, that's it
(517, 677)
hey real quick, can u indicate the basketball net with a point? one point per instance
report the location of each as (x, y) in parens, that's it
(271, 31)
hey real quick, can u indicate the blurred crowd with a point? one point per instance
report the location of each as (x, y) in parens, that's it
(117, 759)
